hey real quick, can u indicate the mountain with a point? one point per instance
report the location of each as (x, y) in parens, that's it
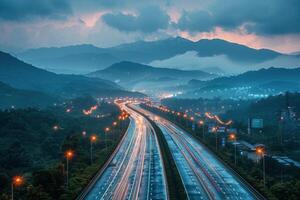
(21, 75)
(86, 58)
(143, 77)
(258, 83)
(11, 97)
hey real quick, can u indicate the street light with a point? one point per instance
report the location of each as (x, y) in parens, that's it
(214, 130)
(232, 137)
(261, 152)
(69, 155)
(201, 123)
(107, 129)
(93, 139)
(55, 127)
(16, 181)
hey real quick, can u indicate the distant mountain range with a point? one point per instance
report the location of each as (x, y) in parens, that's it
(256, 83)
(143, 77)
(170, 53)
(16, 98)
(21, 75)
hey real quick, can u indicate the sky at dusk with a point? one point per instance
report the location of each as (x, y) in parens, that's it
(24, 24)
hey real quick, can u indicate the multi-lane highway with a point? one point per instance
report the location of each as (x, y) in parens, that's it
(136, 169)
(203, 175)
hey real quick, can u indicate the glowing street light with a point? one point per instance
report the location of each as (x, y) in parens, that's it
(215, 130)
(201, 123)
(16, 181)
(115, 123)
(261, 152)
(55, 127)
(93, 139)
(69, 155)
(107, 129)
(232, 137)
(83, 133)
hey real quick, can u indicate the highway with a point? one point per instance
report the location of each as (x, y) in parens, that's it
(203, 175)
(136, 170)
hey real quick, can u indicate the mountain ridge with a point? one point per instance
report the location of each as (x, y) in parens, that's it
(143, 52)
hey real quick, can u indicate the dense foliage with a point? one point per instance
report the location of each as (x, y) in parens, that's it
(33, 143)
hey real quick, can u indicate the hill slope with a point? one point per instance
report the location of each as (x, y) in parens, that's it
(11, 97)
(254, 83)
(138, 76)
(24, 76)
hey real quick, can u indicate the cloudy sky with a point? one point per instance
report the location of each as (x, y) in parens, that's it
(273, 24)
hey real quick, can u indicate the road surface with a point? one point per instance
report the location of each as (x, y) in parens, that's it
(203, 175)
(136, 170)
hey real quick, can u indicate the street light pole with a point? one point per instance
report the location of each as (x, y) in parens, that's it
(12, 191)
(17, 180)
(216, 141)
(67, 172)
(260, 151)
(69, 154)
(93, 139)
(264, 169)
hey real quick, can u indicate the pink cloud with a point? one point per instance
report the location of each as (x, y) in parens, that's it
(285, 43)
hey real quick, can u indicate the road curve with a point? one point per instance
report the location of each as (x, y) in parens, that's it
(136, 169)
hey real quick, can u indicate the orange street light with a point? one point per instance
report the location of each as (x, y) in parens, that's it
(261, 152)
(69, 155)
(232, 137)
(201, 123)
(107, 129)
(16, 181)
(93, 139)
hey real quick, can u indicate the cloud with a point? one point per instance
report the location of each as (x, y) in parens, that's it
(21, 10)
(195, 21)
(268, 17)
(148, 20)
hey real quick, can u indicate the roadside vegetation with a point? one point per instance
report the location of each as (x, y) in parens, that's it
(281, 181)
(33, 145)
